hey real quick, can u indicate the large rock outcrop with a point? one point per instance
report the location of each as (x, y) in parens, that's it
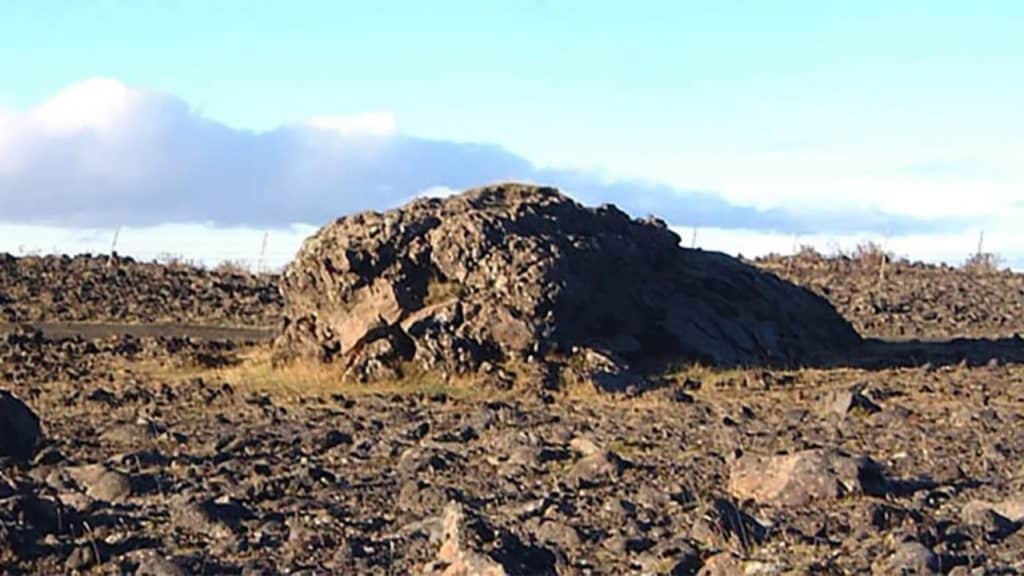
(513, 272)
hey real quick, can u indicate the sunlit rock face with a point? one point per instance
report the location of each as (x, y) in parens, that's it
(515, 272)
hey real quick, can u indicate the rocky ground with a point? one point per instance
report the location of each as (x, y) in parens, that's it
(899, 300)
(155, 462)
(902, 299)
(165, 455)
(116, 289)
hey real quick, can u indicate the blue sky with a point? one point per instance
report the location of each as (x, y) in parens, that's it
(910, 110)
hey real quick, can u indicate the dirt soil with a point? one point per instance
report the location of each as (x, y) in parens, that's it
(166, 455)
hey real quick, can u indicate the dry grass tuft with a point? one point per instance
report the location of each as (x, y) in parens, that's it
(256, 373)
(439, 291)
(983, 263)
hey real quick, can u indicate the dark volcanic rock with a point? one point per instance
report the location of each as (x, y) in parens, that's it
(513, 272)
(117, 289)
(20, 432)
(802, 477)
(903, 299)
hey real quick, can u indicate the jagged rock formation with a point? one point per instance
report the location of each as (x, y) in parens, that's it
(517, 272)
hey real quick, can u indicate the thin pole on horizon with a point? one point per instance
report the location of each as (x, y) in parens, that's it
(981, 243)
(263, 252)
(113, 243)
(693, 239)
(882, 258)
(792, 256)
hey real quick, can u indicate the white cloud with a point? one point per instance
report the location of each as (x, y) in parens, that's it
(104, 154)
(437, 192)
(926, 181)
(373, 124)
(97, 104)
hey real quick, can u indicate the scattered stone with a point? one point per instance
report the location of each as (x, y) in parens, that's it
(722, 564)
(118, 289)
(803, 477)
(154, 564)
(452, 558)
(266, 483)
(102, 483)
(985, 516)
(336, 438)
(917, 300)
(723, 525)
(843, 402)
(1011, 508)
(84, 556)
(910, 558)
(558, 534)
(596, 469)
(585, 446)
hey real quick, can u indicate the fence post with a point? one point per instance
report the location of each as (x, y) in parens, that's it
(113, 243)
(263, 252)
(882, 259)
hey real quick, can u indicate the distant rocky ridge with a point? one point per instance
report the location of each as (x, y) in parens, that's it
(513, 273)
(906, 300)
(116, 289)
(903, 299)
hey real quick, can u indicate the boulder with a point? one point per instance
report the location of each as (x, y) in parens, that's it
(101, 483)
(803, 477)
(20, 431)
(515, 272)
(910, 558)
(454, 559)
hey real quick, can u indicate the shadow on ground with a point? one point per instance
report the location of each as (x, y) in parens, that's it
(871, 354)
(880, 354)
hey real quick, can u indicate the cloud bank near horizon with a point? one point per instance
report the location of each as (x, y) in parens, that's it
(104, 154)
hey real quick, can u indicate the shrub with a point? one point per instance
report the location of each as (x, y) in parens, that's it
(233, 267)
(983, 263)
(871, 253)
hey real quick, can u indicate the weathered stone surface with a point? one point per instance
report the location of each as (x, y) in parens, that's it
(803, 477)
(722, 564)
(1011, 508)
(153, 564)
(453, 559)
(102, 483)
(843, 402)
(20, 431)
(910, 558)
(514, 272)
